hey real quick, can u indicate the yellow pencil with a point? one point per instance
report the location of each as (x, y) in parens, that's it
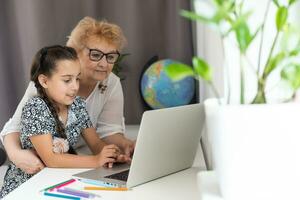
(106, 188)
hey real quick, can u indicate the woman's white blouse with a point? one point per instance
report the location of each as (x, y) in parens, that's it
(105, 109)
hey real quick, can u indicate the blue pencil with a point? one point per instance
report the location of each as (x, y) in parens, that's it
(60, 196)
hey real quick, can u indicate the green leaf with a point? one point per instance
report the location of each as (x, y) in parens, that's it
(223, 12)
(218, 2)
(281, 17)
(276, 3)
(178, 71)
(202, 69)
(291, 74)
(194, 16)
(122, 56)
(236, 23)
(117, 67)
(291, 2)
(273, 63)
(295, 51)
(222, 2)
(243, 36)
(255, 34)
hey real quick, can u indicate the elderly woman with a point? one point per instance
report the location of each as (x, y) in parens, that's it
(98, 44)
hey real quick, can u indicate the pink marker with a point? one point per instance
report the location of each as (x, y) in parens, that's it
(62, 185)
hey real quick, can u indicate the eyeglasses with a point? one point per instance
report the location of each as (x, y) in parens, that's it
(96, 55)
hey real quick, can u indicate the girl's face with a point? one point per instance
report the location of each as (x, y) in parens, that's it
(94, 69)
(63, 84)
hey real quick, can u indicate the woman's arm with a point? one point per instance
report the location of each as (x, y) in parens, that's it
(26, 160)
(14, 123)
(111, 118)
(43, 146)
(127, 146)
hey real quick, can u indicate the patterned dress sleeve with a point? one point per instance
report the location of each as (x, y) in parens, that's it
(36, 118)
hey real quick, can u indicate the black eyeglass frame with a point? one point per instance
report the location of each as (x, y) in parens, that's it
(103, 54)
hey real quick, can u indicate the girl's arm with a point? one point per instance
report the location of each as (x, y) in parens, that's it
(93, 141)
(43, 146)
(96, 145)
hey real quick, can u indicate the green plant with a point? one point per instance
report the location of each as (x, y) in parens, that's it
(117, 67)
(233, 15)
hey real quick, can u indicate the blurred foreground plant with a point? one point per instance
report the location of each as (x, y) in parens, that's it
(231, 15)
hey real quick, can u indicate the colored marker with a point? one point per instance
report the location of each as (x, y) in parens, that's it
(106, 188)
(98, 183)
(63, 184)
(60, 196)
(53, 186)
(77, 193)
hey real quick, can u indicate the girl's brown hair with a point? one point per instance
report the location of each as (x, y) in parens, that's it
(45, 62)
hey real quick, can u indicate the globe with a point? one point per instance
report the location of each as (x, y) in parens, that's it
(159, 91)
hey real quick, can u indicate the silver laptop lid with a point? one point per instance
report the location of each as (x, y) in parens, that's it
(167, 142)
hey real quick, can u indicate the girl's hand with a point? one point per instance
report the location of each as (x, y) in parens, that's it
(108, 155)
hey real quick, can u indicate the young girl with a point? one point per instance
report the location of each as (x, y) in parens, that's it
(52, 121)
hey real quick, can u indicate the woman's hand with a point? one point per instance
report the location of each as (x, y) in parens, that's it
(28, 161)
(108, 155)
(128, 147)
(123, 158)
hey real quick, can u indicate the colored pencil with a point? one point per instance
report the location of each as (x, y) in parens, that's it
(106, 188)
(60, 196)
(63, 184)
(78, 193)
(53, 186)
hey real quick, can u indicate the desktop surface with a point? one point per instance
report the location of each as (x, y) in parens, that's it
(177, 186)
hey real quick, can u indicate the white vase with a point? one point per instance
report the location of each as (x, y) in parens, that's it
(255, 149)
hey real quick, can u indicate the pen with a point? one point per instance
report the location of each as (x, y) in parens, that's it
(77, 193)
(53, 186)
(106, 188)
(60, 196)
(63, 184)
(98, 183)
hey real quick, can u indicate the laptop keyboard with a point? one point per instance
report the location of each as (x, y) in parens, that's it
(119, 176)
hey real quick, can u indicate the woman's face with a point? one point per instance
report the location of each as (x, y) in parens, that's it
(92, 67)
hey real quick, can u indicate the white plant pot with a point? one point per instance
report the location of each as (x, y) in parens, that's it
(255, 149)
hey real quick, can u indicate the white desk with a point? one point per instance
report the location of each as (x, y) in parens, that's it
(208, 184)
(178, 186)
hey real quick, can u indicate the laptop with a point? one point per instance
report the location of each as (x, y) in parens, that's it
(167, 142)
